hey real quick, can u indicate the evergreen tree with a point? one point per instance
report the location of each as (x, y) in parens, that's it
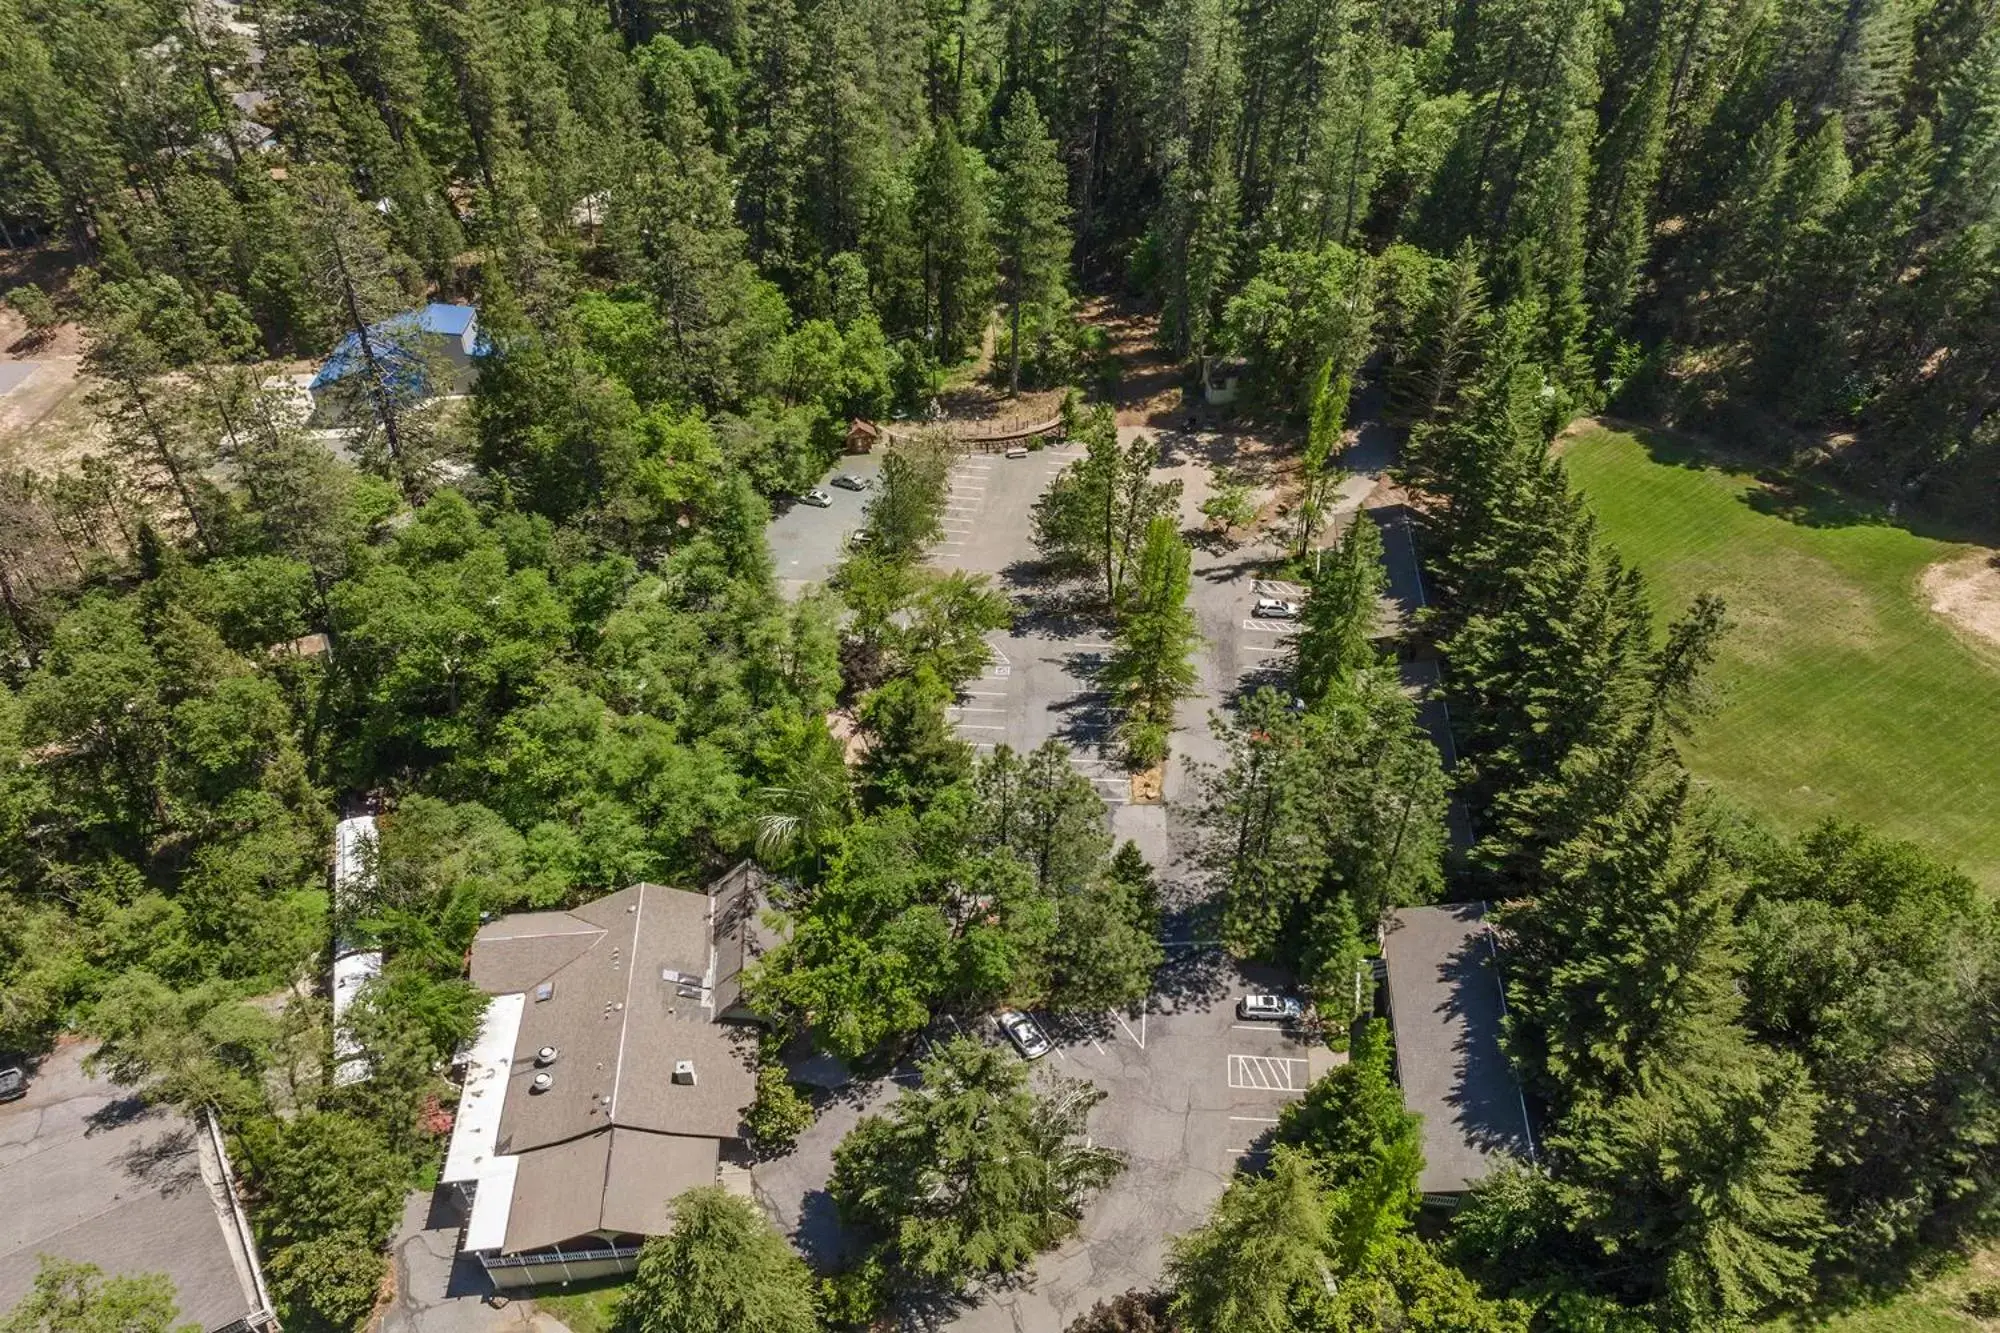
(971, 1172)
(949, 222)
(1149, 670)
(720, 1269)
(1343, 608)
(1031, 217)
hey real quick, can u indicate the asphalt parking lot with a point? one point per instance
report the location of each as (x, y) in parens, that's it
(806, 543)
(1192, 1095)
(1041, 679)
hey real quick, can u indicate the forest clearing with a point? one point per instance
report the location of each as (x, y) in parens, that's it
(1837, 689)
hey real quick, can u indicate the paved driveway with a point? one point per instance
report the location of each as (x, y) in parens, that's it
(437, 1291)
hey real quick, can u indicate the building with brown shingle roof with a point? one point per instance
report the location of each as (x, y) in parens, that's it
(611, 1072)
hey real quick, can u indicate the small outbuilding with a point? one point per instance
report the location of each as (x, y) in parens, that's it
(862, 436)
(1445, 1006)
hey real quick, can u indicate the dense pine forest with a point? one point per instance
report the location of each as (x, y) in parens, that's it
(540, 626)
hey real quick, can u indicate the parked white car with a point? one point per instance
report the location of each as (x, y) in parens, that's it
(1276, 608)
(817, 498)
(1025, 1033)
(1270, 1008)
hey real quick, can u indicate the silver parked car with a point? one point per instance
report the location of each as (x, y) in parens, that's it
(817, 498)
(1025, 1033)
(847, 481)
(1276, 608)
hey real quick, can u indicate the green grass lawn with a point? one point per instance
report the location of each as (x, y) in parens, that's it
(585, 1307)
(1838, 692)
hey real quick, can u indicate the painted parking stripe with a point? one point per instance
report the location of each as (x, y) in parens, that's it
(1266, 627)
(1267, 1073)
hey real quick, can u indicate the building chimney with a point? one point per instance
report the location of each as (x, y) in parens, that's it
(684, 1072)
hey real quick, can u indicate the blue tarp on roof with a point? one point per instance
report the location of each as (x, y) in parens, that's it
(389, 339)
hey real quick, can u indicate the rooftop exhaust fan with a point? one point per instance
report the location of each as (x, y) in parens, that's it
(546, 1056)
(541, 1082)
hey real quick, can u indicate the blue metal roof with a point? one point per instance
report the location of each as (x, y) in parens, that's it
(388, 337)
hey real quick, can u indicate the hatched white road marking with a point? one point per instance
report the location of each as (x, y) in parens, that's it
(1267, 1073)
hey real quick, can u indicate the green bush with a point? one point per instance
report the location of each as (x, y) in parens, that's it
(779, 1114)
(1145, 743)
(327, 1283)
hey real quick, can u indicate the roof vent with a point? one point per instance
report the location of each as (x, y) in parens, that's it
(546, 1056)
(684, 1072)
(542, 1082)
(544, 991)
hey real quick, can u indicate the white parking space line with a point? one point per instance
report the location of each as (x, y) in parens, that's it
(978, 726)
(1267, 1073)
(1256, 1119)
(1259, 648)
(1267, 627)
(1140, 1035)
(963, 709)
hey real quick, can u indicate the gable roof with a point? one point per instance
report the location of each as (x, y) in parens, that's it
(629, 981)
(1446, 1005)
(394, 341)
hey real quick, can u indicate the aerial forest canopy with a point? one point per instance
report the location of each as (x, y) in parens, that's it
(541, 620)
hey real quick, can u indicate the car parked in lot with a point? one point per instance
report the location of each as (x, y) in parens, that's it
(1270, 1008)
(849, 482)
(1017, 451)
(817, 498)
(1276, 608)
(13, 1083)
(1025, 1033)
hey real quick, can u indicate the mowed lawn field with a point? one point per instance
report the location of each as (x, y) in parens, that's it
(1837, 690)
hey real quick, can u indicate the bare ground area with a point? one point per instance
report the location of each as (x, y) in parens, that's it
(1965, 591)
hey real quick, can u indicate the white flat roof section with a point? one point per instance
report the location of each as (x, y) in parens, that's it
(353, 845)
(476, 1131)
(351, 971)
(492, 1205)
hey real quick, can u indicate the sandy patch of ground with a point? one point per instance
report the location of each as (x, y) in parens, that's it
(1965, 591)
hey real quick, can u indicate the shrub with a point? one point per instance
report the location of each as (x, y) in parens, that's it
(779, 1114)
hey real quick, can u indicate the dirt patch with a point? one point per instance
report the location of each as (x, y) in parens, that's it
(1965, 591)
(1148, 786)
